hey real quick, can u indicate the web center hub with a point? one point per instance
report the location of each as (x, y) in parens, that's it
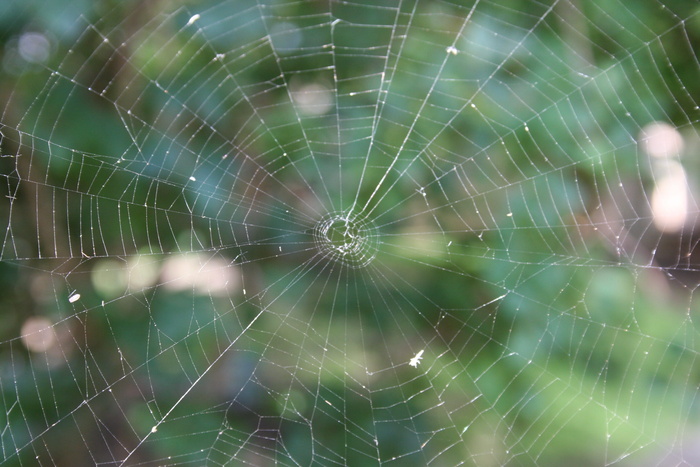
(348, 239)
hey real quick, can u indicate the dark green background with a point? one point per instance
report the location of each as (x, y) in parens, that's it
(559, 326)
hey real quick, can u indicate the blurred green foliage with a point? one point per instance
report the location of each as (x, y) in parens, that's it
(150, 137)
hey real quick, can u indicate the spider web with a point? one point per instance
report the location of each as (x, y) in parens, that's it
(350, 233)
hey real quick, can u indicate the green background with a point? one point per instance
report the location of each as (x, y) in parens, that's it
(514, 239)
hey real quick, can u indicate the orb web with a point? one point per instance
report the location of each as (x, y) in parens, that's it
(405, 233)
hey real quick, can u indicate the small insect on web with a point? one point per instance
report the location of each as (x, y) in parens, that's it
(416, 360)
